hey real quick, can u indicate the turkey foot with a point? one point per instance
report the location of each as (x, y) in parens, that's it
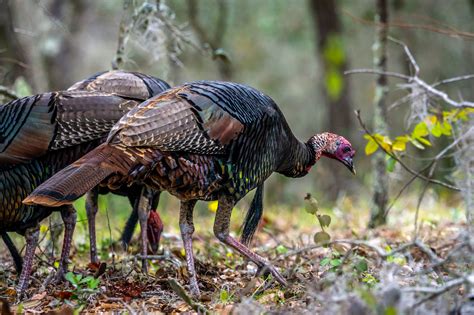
(32, 236)
(221, 230)
(91, 210)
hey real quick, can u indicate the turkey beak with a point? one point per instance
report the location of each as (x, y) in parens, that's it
(349, 163)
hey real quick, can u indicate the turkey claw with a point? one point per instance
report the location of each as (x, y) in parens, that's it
(267, 270)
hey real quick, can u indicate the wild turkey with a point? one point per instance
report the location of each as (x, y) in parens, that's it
(136, 86)
(41, 134)
(110, 82)
(205, 140)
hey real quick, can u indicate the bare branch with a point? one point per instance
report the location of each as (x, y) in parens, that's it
(408, 53)
(449, 31)
(9, 93)
(455, 79)
(373, 71)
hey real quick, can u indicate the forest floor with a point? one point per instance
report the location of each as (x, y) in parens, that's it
(359, 271)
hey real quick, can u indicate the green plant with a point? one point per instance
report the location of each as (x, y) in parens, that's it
(334, 260)
(323, 219)
(83, 286)
(225, 296)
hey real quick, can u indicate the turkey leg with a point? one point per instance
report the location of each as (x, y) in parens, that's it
(186, 226)
(91, 210)
(68, 214)
(143, 210)
(221, 231)
(31, 236)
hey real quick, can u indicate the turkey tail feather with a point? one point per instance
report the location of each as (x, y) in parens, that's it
(78, 178)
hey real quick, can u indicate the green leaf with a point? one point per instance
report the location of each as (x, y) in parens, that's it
(86, 279)
(325, 261)
(424, 141)
(436, 130)
(71, 278)
(399, 146)
(421, 130)
(335, 262)
(324, 220)
(224, 296)
(371, 147)
(361, 265)
(93, 284)
(321, 237)
(391, 164)
(417, 144)
(312, 204)
(446, 128)
(280, 249)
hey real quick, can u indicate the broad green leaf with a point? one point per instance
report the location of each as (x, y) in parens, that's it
(321, 237)
(391, 164)
(399, 146)
(312, 206)
(446, 128)
(403, 139)
(86, 279)
(325, 261)
(324, 220)
(371, 147)
(71, 278)
(93, 284)
(336, 262)
(421, 130)
(424, 141)
(361, 265)
(436, 130)
(280, 249)
(224, 296)
(417, 144)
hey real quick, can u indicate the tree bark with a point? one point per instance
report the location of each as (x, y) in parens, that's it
(380, 193)
(336, 88)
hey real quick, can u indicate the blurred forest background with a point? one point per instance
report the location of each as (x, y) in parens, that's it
(294, 51)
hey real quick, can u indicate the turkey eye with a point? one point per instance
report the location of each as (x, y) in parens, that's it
(346, 149)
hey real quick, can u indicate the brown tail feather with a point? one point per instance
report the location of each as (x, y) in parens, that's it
(78, 178)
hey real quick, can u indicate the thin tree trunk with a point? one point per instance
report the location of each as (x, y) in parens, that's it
(224, 66)
(336, 87)
(59, 65)
(380, 193)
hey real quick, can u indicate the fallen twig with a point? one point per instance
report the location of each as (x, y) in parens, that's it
(179, 290)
